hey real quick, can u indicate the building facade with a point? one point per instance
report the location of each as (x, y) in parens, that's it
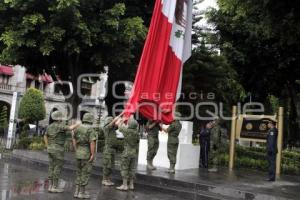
(92, 91)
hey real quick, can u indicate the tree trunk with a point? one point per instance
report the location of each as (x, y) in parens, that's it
(37, 128)
(293, 115)
(74, 72)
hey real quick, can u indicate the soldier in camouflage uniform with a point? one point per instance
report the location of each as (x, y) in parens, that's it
(55, 138)
(85, 138)
(128, 162)
(153, 129)
(173, 132)
(217, 145)
(110, 150)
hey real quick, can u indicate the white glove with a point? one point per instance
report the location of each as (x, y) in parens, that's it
(119, 134)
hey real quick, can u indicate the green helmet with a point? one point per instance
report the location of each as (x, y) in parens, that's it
(88, 118)
(57, 115)
(177, 115)
(108, 120)
(132, 123)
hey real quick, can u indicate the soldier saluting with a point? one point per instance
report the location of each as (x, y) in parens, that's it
(272, 149)
(55, 138)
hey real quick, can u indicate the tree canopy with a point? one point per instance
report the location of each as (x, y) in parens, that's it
(261, 40)
(32, 106)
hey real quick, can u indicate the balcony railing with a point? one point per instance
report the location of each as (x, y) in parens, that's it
(5, 87)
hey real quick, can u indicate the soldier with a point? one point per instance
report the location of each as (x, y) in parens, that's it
(272, 149)
(173, 132)
(217, 145)
(204, 144)
(128, 162)
(110, 150)
(153, 129)
(55, 138)
(85, 144)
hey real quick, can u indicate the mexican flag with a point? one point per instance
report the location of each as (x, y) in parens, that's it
(168, 45)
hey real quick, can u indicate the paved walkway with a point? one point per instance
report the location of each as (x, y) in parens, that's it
(243, 184)
(18, 183)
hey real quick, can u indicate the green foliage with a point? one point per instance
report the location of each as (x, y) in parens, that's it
(34, 143)
(209, 72)
(32, 106)
(23, 143)
(255, 158)
(260, 39)
(37, 143)
(93, 31)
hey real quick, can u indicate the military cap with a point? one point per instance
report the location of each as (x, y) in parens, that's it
(57, 115)
(177, 115)
(88, 118)
(108, 120)
(132, 123)
(268, 120)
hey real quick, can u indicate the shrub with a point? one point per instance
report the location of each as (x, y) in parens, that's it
(32, 106)
(255, 158)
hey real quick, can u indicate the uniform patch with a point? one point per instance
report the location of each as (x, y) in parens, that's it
(271, 133)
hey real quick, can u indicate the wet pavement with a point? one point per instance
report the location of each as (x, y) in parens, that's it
(23, 182)
(194, 184)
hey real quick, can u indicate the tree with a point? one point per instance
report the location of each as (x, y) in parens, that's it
(208, 76)
(76, 36)
(32, 106)
(261, 40)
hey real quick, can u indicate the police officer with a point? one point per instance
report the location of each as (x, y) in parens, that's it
(128, 162)
(272, 149)
(85, 138)
(153, 129)
(55, 138)
(110, 150)
(204, 144)
(173, 132)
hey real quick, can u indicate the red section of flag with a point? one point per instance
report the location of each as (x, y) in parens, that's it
(154, 91)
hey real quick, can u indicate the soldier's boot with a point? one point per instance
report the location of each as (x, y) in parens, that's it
(110, 183)
(83, 194)
(55, 188)
(131, 184)
(107, 182)
(104, 181)
(150, 165)
(50, 185)
(171, 170)
(124, 186)
(77, 190)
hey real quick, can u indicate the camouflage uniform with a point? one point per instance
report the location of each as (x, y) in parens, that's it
(110, 149)
(84, 135)
(56, 134)
(153, 142)
(128, 162)
(217, 146)
(173, 141)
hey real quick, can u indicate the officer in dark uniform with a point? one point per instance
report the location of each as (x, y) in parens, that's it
(272, 149)
(204, 144)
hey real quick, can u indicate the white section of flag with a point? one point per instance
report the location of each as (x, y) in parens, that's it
(183, 49)
(168, 9)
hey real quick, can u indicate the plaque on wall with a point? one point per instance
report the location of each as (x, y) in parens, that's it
(254, 129)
